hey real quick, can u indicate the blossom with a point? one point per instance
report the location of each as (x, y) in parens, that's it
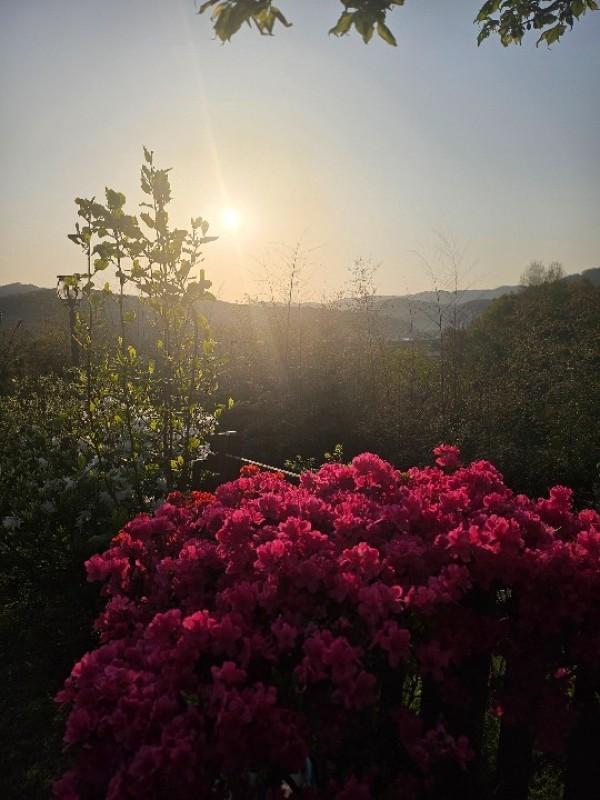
(447, 456)
(249, 470)
(248, 630)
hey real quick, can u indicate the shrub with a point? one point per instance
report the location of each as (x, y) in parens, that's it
(272, 636)
(148, 402)
(50, 492)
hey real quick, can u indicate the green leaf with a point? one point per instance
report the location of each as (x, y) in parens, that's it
(578, 7)
(365, 25)
(280, 18)
(483, 35)
(542, 20)
(487, 9)
(114, 200)
(552, 35)
(386, 34)
(162, 220)
(137, 271)
(343, 24)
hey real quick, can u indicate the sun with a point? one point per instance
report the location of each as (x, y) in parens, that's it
(231, 218)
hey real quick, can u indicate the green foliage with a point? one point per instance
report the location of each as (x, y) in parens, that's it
(530, 393)
(520, 385)
(366, 18)
(26, 352)
(146, 405)
(336, 456)
(538, 274)
(300, 463)
(51, 501)
(229, 16)
(54, 512)
(83, 452)
(508, 19)
(304, 375)
(511, 19)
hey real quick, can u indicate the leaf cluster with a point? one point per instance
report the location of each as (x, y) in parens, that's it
(145, 390)
(511, 19)
(228, 16)
(508, 19)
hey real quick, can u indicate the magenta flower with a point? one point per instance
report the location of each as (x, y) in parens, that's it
(248, 631)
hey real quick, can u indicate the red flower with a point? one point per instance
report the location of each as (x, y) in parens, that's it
(248, 630)
(447, 456)
(249, 470)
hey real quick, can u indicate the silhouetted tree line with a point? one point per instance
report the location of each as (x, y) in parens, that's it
(520, 385)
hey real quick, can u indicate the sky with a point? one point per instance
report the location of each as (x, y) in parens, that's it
(353, 151)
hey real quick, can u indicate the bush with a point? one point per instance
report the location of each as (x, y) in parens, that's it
(50, 491)
(274, 636)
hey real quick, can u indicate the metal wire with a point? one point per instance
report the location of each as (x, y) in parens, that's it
(271, 468)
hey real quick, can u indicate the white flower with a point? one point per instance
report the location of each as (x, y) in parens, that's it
(203, 452)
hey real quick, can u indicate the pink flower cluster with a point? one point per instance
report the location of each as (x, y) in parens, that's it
(269, 624)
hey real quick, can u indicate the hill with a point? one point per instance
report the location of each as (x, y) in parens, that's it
(398, 317)
(17, 288)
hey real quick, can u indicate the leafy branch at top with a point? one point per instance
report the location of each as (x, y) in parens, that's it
(511, 19)
(508, 19)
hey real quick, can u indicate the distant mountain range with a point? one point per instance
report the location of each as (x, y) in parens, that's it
(399, 316)
(17, 288)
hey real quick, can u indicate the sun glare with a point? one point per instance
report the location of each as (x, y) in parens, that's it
(231, 218)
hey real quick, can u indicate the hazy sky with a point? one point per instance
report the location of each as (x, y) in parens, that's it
(355, 150)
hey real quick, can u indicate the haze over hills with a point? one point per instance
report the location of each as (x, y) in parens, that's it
(398, 316)
(17, 288)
